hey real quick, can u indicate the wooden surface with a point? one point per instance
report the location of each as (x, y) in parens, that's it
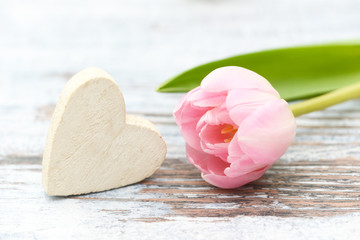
(312, 192)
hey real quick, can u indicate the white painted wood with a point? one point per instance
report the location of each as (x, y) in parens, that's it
(311, 193)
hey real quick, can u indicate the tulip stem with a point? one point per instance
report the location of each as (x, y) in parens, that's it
(329, 99)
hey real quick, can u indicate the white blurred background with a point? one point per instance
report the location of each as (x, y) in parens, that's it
(141, 43)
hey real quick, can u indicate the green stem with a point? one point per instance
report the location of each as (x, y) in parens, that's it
(329, 99)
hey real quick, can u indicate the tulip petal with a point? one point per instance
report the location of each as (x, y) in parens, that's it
(239, 168)
(267, 133)
(242, 102)
(210, 128)
(229, 78)
(217, 116)
(201, 98)
(197, 158)
(234, 150)
(212, 141)
(206, 163)
(240, 162)
(216, 166)
(188, 131)
(181, 106)
(232, 182)
(187, 117)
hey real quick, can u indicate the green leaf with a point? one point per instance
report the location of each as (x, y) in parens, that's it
(296, 73)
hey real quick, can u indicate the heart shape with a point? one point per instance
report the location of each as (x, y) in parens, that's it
(92, 145)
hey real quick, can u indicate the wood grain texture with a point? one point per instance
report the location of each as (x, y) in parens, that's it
(312, 192)
(301, 188)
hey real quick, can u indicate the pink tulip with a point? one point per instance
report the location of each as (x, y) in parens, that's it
(235, 126)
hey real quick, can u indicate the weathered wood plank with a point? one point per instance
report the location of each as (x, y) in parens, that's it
(323, 188)
(315, 187)
(300, 188)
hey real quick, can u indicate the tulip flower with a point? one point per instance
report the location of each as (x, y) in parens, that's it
(235, 126)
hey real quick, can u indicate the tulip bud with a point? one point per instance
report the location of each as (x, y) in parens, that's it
(235, 126)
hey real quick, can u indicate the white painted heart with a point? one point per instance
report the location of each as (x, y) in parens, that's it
(92, 145)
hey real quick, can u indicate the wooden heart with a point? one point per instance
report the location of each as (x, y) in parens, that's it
(92, 145)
